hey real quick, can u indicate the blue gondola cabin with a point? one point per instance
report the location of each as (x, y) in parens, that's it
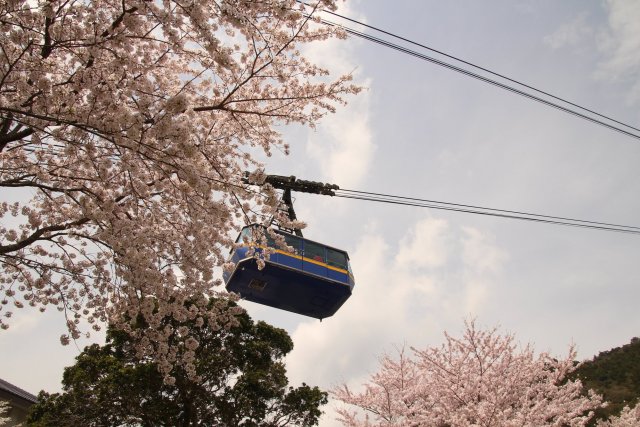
(314, 280)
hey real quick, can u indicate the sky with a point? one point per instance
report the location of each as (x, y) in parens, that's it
(423, 131)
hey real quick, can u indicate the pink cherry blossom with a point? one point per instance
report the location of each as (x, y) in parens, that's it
(481, 379)
(124, 132)
(629, 417)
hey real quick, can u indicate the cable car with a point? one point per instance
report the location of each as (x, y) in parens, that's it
(315, 280)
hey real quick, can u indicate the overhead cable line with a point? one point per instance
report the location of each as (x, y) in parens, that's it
(479, 210)
(502, 76)
(291, 183)
(480, 77)
(485, 79)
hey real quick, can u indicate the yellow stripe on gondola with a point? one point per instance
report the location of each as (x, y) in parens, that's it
(313, 261)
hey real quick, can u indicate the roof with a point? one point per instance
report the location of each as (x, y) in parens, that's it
(17, 391)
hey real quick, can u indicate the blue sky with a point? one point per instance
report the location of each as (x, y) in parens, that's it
(422, 131)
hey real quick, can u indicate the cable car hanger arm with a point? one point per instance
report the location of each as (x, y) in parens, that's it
(291, 183)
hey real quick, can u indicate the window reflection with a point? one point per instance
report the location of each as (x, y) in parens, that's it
(337, 258)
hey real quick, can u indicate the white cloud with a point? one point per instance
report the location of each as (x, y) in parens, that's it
(343, 143)
(620, 44)
(622, 40)
(23, 321)
(32, 355)
(617, 43)
(425, 245)
(482, 259)
(480, 253)
(570, 34)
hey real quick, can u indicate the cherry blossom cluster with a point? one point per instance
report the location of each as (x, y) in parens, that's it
(629, 417)
(125, 128)
(481, 379)
(5, 407)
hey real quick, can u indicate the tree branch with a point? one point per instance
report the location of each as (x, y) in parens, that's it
(15, 135)
(119, 19)
(36, 235)
(47, 46)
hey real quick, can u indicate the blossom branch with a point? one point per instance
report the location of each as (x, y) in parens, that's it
(38, 235)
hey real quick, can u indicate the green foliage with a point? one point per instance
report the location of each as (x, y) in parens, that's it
(241, 381)
(615, 374)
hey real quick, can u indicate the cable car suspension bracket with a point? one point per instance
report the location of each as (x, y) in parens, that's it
(291, 183)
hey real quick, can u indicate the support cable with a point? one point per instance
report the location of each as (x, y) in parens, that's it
(291, 183)
(485, 79)
(502, 76)
(479, 210)
(480, 77)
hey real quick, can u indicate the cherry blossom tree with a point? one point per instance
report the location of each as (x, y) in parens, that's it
(481, 379)
(4, 411)
(125, 126)
(629, 417)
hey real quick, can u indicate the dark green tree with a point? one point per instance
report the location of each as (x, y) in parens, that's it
(240, 381)
(615, 374)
